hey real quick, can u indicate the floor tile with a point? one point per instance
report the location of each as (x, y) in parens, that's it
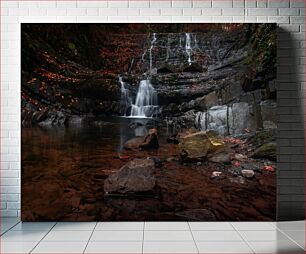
(67, 226)
(253, 226)
(9, 220)
(273, 235)
(297, 236)
(5, 226)
(33, 226)
(17, 247)
(114, 247)
(119, 226)
(216, 236)
(211, 226)
(169, 247)
(69, 236)
(101, 236)
(60, 247)
(224, 247)
(291, 225)
(168, 236)
(22, 236)
(9, 224)
(276, 247)
(164, 225)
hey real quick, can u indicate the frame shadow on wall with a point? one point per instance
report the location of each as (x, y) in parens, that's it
(291, 131)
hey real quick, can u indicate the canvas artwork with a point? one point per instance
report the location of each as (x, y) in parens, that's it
(158, 122)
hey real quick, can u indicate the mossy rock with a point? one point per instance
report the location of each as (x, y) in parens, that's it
(267, 150)
(197, 146)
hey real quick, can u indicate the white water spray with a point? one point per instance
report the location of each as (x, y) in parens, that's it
(150, 50)
(126, 100)
(146, 101)
(188, 48)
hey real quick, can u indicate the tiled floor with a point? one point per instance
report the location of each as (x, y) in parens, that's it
(152, 237)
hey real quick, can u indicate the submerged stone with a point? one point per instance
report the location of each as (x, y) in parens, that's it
(247, 173)
(147, 142)
(135, 176)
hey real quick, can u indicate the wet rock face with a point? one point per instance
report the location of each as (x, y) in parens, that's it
(135, 176)
(227, 119)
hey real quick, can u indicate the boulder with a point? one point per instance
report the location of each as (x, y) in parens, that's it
(133, 143)
(135, 176)
(267, 150)
(150, 140)
(197, 145)
(147, 142)
(215, 174)
(247, 173)
(222, 157)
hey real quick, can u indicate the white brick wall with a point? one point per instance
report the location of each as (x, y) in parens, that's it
(288, 13)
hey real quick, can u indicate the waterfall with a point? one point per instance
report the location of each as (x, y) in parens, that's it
(150, 50)
(126, 100)
(146, 101)
(188, 48)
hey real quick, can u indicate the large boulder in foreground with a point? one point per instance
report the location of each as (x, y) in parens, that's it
(147, 142)
(198, 145)
(135, 176)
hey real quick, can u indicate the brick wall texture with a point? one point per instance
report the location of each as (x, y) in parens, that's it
(288, 14)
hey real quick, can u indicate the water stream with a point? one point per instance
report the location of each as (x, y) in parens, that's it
(126, 100)
(150, 51)
(146, 101)
(188, 47)
(145, 105)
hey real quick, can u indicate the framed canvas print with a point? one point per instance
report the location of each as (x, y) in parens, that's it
(158, 122)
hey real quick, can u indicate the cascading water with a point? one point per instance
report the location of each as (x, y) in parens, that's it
(188, 48)
(150, 51)
(146, 101)
(126, 100)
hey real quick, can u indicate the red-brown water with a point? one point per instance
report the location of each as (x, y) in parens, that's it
(63, 172)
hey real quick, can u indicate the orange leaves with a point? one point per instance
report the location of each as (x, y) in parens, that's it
(269, 168)
(233, 140)
(58, 77)
(236, 163)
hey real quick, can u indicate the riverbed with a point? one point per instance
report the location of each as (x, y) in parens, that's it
(64, 168)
